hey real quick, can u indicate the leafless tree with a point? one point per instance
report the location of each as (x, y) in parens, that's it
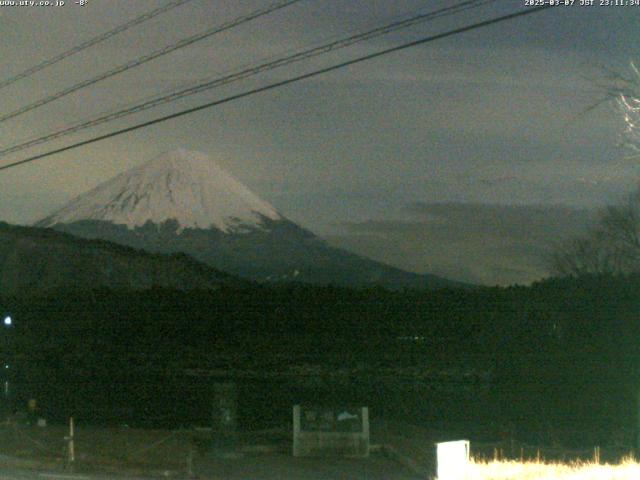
(611, 246)
(622, 89)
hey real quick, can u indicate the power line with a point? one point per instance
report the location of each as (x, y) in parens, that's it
(91, 42)
(227, 71)
(249, 72)
(274, 85)
(147, 58)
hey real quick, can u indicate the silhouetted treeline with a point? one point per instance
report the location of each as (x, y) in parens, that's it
(561, 352)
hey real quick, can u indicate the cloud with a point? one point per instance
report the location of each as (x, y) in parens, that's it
(487, 116)
(488, 244)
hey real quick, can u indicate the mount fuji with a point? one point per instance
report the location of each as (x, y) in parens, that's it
(183, 201)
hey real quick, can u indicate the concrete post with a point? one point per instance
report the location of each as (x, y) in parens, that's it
(365, 429)
(225, 417)
(72, 447)
(296, 430)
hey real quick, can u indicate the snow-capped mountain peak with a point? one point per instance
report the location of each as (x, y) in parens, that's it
(180, 185)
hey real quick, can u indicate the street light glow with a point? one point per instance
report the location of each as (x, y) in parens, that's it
(7, 321)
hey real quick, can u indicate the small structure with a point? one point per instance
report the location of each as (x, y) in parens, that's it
(453, 460)
(321, 431)
(224, 418)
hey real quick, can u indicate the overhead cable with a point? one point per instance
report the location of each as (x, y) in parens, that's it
(91, 42)
(185, 42)
(249, 72)
(282, 83)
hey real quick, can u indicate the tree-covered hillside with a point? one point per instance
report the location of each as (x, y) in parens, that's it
(562, 352)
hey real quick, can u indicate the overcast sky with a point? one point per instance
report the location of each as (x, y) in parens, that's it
(495, 115)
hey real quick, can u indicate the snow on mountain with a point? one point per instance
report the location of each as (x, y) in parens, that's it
(219, 222)
(181, 185)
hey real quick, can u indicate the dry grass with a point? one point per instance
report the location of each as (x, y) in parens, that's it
(628, 469)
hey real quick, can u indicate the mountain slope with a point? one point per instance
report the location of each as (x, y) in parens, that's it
(182, 186)
(183, 202)
(37, 261)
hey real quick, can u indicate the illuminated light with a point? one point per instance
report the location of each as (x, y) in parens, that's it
(628, 103)
(493, 469)
(8, 321)
(453, 460)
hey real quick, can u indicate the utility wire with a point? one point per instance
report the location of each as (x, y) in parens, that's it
(250, 72)
(147, 58)
(274, 85)
(91, 42)
(227, 71)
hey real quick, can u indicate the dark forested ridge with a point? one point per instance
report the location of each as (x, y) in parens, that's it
(34, 261)
(275, 251)
(563, 352)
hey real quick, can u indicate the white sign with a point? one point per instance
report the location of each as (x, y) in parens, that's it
(453, 460)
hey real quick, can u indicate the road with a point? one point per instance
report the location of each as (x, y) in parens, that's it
(9, 474)
(263, 467)
(280, 467)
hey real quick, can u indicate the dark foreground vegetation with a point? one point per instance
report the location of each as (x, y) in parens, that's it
(555, 362)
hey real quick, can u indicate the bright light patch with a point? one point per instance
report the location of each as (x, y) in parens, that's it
(453, 460)
(629, 104)
(8, 321)
(509, 470)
